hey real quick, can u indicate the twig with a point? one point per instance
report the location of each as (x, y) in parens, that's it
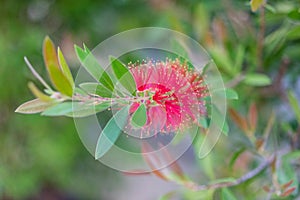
(240, 180)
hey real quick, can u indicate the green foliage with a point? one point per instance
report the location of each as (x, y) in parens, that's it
(257, 80)
(123, 75)
(92, 66)
(139, 117)
(111, 132)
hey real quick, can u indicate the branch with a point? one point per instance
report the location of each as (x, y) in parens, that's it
(238, 181)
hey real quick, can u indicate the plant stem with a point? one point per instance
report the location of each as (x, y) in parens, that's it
(240, 180)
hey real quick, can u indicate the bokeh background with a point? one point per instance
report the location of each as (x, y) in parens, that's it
(43, 158)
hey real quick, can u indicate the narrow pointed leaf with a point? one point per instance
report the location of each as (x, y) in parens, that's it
(231, 94)
(37, 93)
(257, 80)
(139, 117)
(88, 110)
(252, 116)
(152, 160)
(90, 63)
(111, 132)
(75, 109)
(64, 67)
(56, 75)
(34, 106)
(59, 109)
(49, 53)
(96, 88)
(59, 80)
(295, 105)
(34, 72)
(239, 120)
(123, 75)
(227, 194)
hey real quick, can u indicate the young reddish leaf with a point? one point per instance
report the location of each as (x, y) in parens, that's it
(266, 188)
(288, 184)
(259, 143)
(56, 75)
(239, 120)
(288, 192)
(174, 167)
(37, 93)
(137, 172)
(49, 53)
(152, 161)
(172, 172)
(252, 117)
(64, 67)
(34, 106)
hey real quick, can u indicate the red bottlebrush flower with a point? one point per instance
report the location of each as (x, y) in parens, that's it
(174, 94)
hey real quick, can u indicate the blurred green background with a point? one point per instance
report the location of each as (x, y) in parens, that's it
(43, 158)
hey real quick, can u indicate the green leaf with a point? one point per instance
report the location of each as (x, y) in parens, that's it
(218, 118)
(64, 67)
(80, 110)
(96, 88)
(294, 33)
(223, 60)
(111, 132)
(59, 109)
(294, 14)
(256, 4)
(75, 109)
(123, 75)
(231, 94)
(34, 106)
(239, 58)
(227, 194)
(257, 80)
(203, 122)
(139, 117)
(90, 63)
(37, 93)
(60, 82)
(235, 156)
(287, 171)
(294, 104)
(225, 128)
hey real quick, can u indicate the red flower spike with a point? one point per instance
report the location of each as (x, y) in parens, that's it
(174, 94)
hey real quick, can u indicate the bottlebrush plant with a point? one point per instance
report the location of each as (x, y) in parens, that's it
(151, 97)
